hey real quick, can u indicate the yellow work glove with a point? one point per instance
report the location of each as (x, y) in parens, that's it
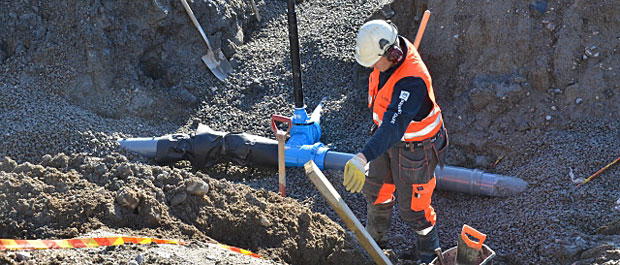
(354, 176)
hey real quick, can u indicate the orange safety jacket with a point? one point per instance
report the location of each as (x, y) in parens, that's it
(412, 66)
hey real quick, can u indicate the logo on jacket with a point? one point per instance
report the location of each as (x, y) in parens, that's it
(404, 95)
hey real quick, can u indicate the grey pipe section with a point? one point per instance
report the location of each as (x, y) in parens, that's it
(146, 146)
(450, 178)
(477, 182)
(336, 160)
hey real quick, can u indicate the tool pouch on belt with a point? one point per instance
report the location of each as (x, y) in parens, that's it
(417, 165)
(441, 151)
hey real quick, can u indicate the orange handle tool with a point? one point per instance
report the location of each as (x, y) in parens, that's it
(418, 36)
(598, 172)
(280, 118)
(468, 230)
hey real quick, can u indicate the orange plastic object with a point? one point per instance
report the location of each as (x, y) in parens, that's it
(468, 230)
(420, 33)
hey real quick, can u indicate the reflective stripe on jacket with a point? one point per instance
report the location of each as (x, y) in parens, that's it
(380, 98)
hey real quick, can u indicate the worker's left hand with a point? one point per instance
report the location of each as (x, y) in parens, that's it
(354, 176)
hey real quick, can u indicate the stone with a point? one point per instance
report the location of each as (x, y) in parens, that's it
(578, 101)
(128, 198)
(7, 164)
(139, 259)
(265, 222)
(60, 161)
(196, 186)
(22, 256)
(178, 199)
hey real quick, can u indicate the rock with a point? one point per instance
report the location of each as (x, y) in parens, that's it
(60, 161)
(388, 12)
(591, 51)
(38, 171)
(264, 221)
(100, 170)
(127, 197)
(151, 210)
(162, 176)
(196, 186)
(598, 251)
(46, 159)
(7, 164)
(22, 256)
(124, 170)
(538, 6)
(23, 168)
(139, 259)
(612, 228)
(178, 199)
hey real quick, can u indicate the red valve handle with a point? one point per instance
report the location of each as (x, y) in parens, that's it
(276, 117)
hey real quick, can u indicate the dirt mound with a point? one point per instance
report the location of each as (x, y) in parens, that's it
(66, 195)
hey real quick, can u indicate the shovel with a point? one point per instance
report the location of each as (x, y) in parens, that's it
(217, 62)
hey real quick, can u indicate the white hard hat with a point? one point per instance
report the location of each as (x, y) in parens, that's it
(374, 38)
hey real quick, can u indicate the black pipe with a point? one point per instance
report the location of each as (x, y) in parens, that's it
(295, 61)
(208, 147)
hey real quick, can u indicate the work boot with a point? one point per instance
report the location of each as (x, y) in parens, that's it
(378, 221)
(427, 244)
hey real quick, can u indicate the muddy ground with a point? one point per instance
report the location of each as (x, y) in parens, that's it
(528, 89)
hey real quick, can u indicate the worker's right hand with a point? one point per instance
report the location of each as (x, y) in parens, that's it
(354, 176)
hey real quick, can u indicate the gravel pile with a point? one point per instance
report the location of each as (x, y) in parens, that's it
(536, 100)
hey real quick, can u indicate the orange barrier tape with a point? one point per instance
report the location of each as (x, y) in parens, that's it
(240, 250)
(81, 242)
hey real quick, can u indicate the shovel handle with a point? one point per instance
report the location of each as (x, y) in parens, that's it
(191, 15)
(474, 233)
(279, 118)
(418, 36)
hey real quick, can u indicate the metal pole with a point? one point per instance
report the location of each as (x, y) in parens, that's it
(295, 61)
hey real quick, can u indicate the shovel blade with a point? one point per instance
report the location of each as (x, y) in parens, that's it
(218, 65)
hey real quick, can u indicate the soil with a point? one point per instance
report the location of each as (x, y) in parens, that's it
(528, 89)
